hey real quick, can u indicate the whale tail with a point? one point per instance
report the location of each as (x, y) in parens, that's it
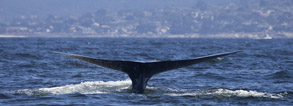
(141, 72)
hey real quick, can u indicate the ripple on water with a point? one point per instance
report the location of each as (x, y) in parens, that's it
(283, 74)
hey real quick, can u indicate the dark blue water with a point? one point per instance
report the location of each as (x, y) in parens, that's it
(260, 75)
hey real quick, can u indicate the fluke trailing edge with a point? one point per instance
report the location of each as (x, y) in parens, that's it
(141, 72)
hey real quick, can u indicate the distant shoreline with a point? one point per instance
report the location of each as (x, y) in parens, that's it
(258, 35)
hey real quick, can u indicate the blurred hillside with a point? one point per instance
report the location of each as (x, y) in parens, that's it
(153, 18)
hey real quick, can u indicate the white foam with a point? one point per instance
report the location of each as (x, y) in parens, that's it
(244, 93)
(102, 87)
(229, 93)
(91, 87)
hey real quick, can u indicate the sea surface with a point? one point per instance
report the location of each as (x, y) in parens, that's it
(30, 74)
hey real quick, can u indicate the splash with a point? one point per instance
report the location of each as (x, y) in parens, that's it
(104, 87)
(229, 93)
(91, 87)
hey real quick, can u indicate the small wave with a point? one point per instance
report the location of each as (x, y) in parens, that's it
(27, 55)
(4, 96)
(229, 93)
(281, 74)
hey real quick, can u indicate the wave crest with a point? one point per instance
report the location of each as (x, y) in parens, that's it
(229, 93)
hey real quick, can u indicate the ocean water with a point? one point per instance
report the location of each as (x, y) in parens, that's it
(30, 74)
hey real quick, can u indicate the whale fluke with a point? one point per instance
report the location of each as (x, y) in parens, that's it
(141, 72)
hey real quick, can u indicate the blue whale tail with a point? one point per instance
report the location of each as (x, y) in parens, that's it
(141, 72)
